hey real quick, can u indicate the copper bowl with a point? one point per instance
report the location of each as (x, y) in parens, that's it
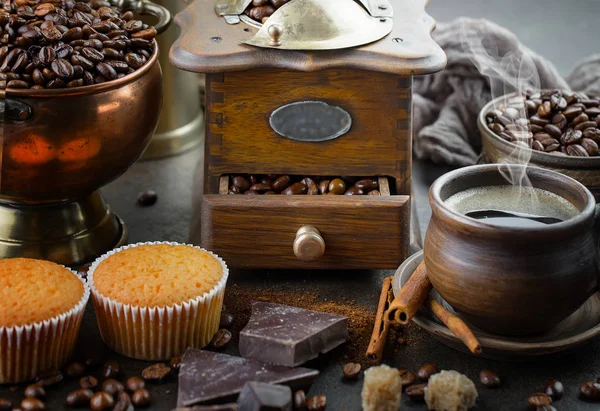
(63, 144)
(586, 170)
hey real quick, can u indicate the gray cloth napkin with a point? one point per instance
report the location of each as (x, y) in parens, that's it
(484, 60)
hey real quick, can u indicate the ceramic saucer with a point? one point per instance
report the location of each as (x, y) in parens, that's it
(580, 327)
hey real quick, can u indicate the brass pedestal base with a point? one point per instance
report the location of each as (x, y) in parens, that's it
(70, 233)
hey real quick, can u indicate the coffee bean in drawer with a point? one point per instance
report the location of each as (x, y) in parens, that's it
(269, 184)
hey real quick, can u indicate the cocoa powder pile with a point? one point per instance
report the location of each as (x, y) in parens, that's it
(360, 319)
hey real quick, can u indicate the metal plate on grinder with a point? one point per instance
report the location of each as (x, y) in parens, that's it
(310, 121)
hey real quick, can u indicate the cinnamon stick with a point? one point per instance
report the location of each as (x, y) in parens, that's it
(411, 297)
(382, 324)
(456, 325)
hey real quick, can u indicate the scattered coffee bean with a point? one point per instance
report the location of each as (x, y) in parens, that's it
(102, 401)
(5, 404)
(147, 198)
(134, 383)
(416, 391)
(32, 404)
(590, 391)
(558, 124)
(112, 369)
(79, 398)
(489, 379)
(538, 399)
(299, 401)
(35, 391)
(156, 373)
(226, 320)
(123, 402)
(141, 398)
(88, 382)
(316, 403)
(75, 369)
(221, 339)
(49, 378)
(555, 389)
(427, 371)
(112, 386)
(351, 371)
(406, 378)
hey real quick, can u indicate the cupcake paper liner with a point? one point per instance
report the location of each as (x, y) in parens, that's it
(158, 333)
(27, 350)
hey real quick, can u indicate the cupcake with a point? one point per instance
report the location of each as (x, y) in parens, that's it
(41, 308)
(153, 300)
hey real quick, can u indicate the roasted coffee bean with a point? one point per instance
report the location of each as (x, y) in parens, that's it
(226, 320)
(299, 401)
(544, 110)
(541, 136)
(571, 137)
(175, 363)
(559, 120)
(111, 369)
(496, 127)
(294, 189)
(93, 43)
(553, 130)
(538, 120)
(354, 191)
(337, 186)
(118, 65)
(260, 188)
(550, 145)
(133, 60)
(134, 383)
(590, 146)
(427, 371)
(416, 391)
(123, 402)
(367, 184)
(141, 398)
(241, 182)
(221, 339)
(88, 382)
(572, 111)
(35, 391)
(324, 186)
(62, 68)
(577, 150)
(102, 401)
(82, 61)
(17, 84)
(536, 145)
(590, 391)
(32, 404)
(584, 125)
(406, 378)
(554, 389)
(106, 71)
(46, 55)
(156, 373)
(592, 112)
(580, 119)
(539, 399)
(351, 371)
(316, 403)
(492, 115)
(374, 193)
(531, 107)
(147, 198)
(92, 54)
(49, 378)
(281, 183)
(489, 379)
(79, 398)
(112, 386)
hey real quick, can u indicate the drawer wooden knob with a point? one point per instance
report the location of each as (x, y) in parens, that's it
(308, 245)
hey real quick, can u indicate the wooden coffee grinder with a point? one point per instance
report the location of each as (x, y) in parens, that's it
(321, 88)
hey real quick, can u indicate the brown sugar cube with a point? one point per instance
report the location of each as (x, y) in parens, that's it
(382, 389)
(450, 391)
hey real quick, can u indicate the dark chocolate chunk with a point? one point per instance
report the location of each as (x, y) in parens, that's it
(260, 396)
(283, 335)
(208, 376)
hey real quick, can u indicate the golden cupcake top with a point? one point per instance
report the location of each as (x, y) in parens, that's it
(157, 275)
(35, 290)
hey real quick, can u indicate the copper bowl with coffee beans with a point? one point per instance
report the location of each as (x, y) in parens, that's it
(551, 129)
(81, 89)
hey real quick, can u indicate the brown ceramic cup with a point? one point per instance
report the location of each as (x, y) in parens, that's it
(510, 280)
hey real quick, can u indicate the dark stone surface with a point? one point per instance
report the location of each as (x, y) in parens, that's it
(562, 31)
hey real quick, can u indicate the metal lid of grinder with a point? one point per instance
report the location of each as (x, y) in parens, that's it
(315, 24)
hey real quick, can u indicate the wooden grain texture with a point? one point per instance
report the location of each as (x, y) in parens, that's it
(208, 44)
(259, 231)
(240, 139)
